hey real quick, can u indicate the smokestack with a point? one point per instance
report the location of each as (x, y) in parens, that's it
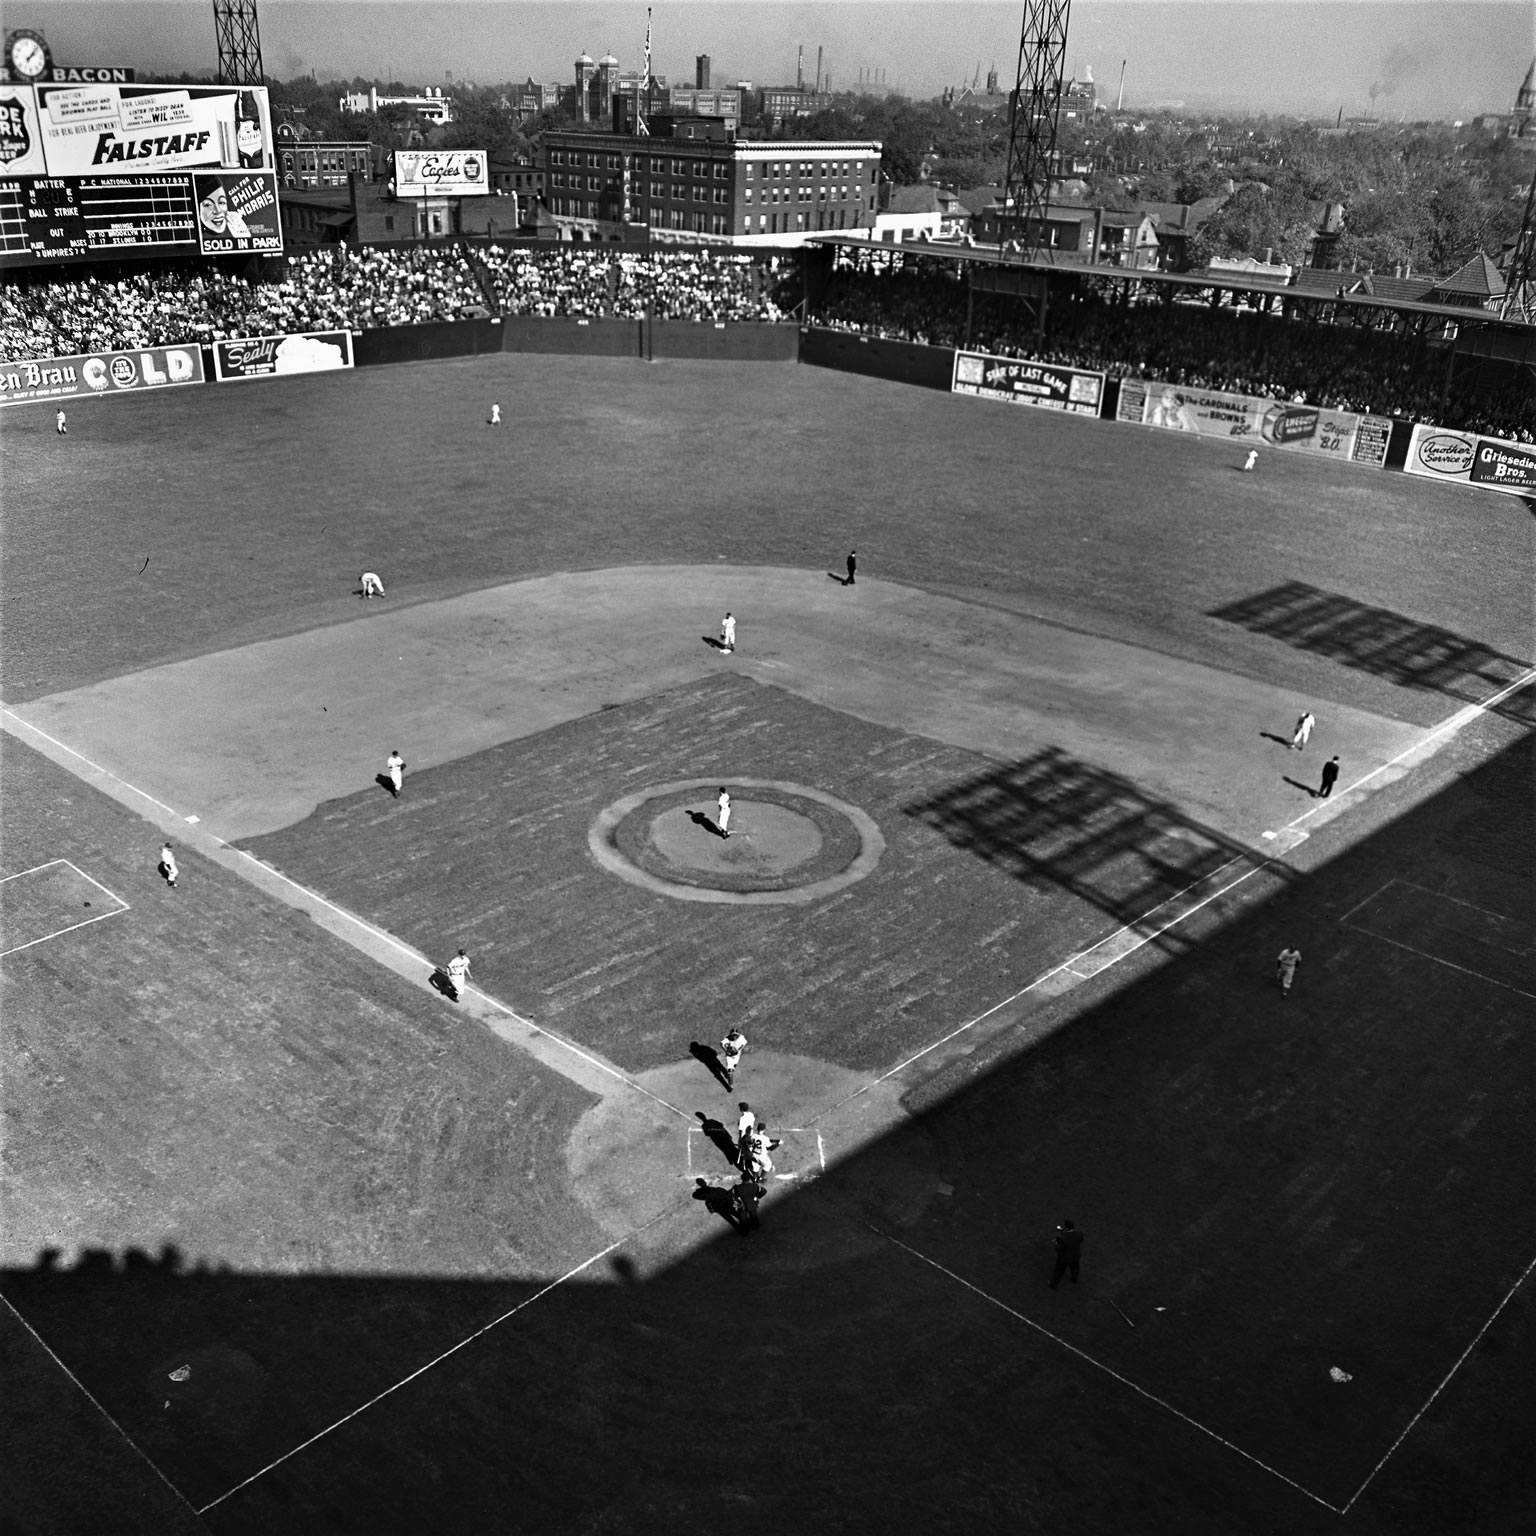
(701, 72)
(818, 69)
(1120, 99)
(800, 69)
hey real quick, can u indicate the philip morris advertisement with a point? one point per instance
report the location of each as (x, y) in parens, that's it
(1437, 453)
(262, 357)
(88, 130)
(99, 373)
(237, 211)
(441, 173)
(1026, 383)
(1254, 420)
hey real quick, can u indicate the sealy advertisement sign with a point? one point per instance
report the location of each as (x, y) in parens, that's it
(1253, 420)
(1028, 383)
(99, 373)
(260, 357)
(441, 173)
(1438, 453)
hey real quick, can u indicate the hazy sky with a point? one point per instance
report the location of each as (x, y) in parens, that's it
(1424, 58)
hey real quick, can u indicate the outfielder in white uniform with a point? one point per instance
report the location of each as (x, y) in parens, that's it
(457, 971)
(372, 586)
(723, 821)
(395, 764)
(1285, 968)
(167, 865)
(728, 632)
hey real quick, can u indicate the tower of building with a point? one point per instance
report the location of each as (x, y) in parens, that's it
(585, 69)
(701, 72)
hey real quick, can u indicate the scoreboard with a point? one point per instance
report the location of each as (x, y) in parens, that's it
(92, 171)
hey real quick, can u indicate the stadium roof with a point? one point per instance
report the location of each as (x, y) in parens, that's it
(948, 250)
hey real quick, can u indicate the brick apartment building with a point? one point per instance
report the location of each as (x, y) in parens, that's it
(697, 182)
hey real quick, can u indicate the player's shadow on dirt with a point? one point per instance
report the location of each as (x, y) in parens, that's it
(438, 981)
(1053, 821)
(1283, 741)
(384, 782)
(711, 1059)
(842, 581)
(719, 645)
(1297, 784)
(719, 1135)
(1385, 644)
(699, 819)
(718, 1201)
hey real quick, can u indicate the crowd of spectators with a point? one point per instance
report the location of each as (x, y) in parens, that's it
(664, 284)
(57, 314)
(1239, 351)
(60, 315)
(626, 285)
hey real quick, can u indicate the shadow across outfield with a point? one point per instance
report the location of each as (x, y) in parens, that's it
(1386, 644)
(1269, 1189)
(1052, 820)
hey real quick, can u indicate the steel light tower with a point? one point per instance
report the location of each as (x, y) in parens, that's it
(1032, 122)
(1520, 274)
(234, 23)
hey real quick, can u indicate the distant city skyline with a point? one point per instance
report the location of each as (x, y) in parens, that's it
(1411, 58)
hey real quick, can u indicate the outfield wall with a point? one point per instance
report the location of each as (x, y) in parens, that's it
(905, 362)
(739, 342)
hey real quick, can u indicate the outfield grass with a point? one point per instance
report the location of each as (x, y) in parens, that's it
(257, 507)
(371, 1176)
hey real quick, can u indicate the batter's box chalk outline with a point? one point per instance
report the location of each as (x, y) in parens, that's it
(690, 1131)
(122, 906)
(1347, 921)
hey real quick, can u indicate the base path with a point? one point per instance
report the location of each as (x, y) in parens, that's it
(253, 739)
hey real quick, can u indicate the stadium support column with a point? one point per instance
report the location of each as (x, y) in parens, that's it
(1032, 123)
(1520, 272)
(234, 25)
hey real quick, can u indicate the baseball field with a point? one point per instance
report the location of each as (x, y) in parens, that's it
(295, 1243)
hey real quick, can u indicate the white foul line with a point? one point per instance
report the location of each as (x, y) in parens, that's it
(351, 917)
(486, 997)
(1445, 1381)
(85, 1392)
(1099, 1365)
(1261, 861)
(527, 1301)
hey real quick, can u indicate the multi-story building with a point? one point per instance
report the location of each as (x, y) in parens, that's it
(701, 101)
(784, 101)
(432, 107)
(701, 184)
(312, 163)
(530, 98)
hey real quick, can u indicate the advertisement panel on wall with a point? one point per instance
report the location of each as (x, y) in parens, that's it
(92, 169)
(237, 211)
(1255, 419)
(99, 373)
(1028, 383)
(91, 129)
(441, 173)
(1439, 453)
(260, 357)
